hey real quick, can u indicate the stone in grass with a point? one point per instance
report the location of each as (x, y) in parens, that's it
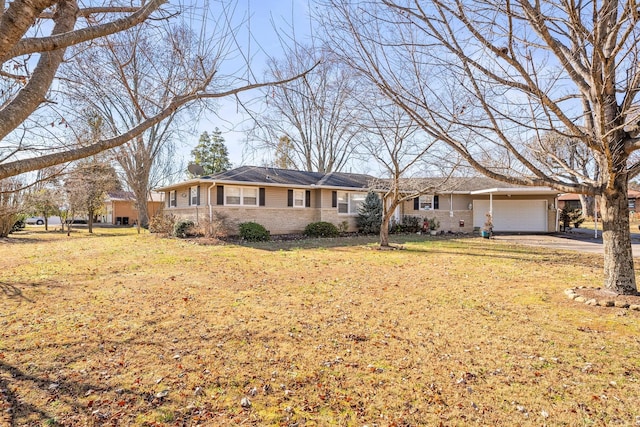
(245, 403)
(635, 307)
(621, 304)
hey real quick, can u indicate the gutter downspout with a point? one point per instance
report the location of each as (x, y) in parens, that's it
(209, 202)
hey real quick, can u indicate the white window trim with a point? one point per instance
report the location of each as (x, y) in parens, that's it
(303, 198)
(426, 199)
(257, 190)
(349, 195)
(193, 196)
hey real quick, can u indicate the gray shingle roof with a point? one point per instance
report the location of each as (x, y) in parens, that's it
(267, 175)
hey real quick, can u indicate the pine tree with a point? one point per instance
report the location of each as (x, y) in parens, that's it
(370, 214)
(211, 153)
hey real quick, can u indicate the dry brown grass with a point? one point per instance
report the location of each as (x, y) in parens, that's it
(126, 329)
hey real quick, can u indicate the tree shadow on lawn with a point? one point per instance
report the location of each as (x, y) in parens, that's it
(35, 236)
(422, 245)
(16, 410)
(14, 290)
(26, 398)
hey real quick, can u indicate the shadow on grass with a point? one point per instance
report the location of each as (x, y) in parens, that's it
(31, 236)
(16, 411)
(12, 291)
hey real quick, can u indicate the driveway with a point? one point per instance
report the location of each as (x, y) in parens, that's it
(580, 240)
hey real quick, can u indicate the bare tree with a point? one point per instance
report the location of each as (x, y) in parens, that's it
(87, 186)
(136, 70)
(10, 204)
(488, 77)
(45, 201)
(315, 114)
(389, 136)
(566, 159)
(33, 125)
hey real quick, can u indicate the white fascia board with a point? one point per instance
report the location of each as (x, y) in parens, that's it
(518, 191)
(182, 184)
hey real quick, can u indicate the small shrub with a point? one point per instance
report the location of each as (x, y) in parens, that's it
(321, 229)
(433, 223)
(253, 232)
(219, 226)
(343, 227)
(19, 224)
(412, 224)
(183, 228)
(162, 224)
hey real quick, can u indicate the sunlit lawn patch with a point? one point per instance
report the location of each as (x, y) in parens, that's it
(128, 329)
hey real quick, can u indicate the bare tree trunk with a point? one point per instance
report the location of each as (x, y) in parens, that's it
(587, 205)
(384, 230)
(619, 275)
(387, 213)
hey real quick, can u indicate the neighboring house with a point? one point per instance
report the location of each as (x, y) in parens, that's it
(573, 201)
(285, 201)
(120, 207)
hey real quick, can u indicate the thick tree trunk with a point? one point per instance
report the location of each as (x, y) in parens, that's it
(387, 213)
(619, 275)
(384, 230)
(587, 205)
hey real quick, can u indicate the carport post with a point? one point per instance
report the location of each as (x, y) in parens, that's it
(491, 204)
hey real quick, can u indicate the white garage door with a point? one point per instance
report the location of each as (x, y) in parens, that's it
(513, 215)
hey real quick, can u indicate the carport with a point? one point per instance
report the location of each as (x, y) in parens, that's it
(517, 209)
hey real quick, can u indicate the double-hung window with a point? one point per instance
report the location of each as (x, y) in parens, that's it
(426, 202)
(355, 201)
(173, 198)
(250, 196)
(349, 203)
(240, 196)
(194, 196)
(343, 202)
(298, 198)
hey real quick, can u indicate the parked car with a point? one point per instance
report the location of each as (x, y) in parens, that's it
(37, 220)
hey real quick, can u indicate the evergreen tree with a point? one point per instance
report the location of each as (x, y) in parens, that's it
(211, 153)
(370, 214)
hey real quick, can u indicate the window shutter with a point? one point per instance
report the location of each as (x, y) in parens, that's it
(262, 197)
(436, 202)
(220, 198)
(307, 198)
(416, 204)
(334, 199)
(189, 195)
(198, 196)
(289, 197)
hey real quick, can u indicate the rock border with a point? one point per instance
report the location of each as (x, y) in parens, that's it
(608, 302)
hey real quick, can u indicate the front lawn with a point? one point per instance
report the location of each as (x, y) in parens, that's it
(124, 329)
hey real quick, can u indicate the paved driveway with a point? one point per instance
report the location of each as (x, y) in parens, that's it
(578, 240)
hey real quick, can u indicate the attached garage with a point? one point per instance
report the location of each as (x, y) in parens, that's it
(516, 209)
(513, 215)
